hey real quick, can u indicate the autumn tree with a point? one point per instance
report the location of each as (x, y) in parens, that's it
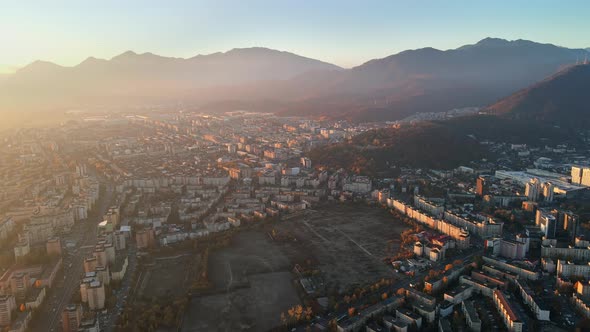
(351, 311)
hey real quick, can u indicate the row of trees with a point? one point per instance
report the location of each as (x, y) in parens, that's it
(152, 317)
(296, 314)
(201, 281)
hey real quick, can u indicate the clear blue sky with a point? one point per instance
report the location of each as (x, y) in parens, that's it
(343, 32)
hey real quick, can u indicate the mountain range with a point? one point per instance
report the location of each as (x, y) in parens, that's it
(552, 110)
(562, 99)
(422, 80)
(132, 78)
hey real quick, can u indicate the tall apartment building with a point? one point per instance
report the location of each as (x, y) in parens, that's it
(53, 247)
(100, 255)
(19, 284)
(71, 317)
(7, 306)
(581, 175)
(548, 190)
(6, 227)
(119, 240)
(144, 238)
(90, 264)
(532, 190)
(481, 186)
(96, 296)
(547, 222)
(21, 249)
(109, 250)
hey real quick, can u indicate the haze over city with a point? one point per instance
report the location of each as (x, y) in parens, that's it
(294, 166)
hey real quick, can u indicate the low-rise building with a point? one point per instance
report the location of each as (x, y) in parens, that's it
(458, 294)
(512, 320)
(567, 269)
(513, 267)
(395, 324)
(35, 297)
(471, 316)
(582, 304)
(534, 302)
(480, 287)
(409, 317)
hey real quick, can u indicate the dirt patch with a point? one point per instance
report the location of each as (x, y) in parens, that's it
(348, 243)
(255, 286)
(168, 277)
(252, 279)
(250, 253)
(255, 308)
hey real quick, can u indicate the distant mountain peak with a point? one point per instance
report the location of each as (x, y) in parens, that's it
(251, 49)
(491, 41)
(125, 55)
(90, 61)
(39, 65)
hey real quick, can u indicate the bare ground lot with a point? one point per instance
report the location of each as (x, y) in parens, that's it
(346, 243)
(255, 284)
(168, 278)
(257, 308)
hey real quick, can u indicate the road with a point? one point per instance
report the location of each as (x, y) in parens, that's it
(84, 233)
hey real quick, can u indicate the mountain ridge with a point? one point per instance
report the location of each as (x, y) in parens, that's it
(130, 54)
(390, 88)
(562, 98)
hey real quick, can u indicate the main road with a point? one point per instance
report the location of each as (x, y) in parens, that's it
(84, 233)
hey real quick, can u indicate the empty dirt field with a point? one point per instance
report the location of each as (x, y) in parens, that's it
(347, 242)
(253, 285)
(253, 279)
(168, 277)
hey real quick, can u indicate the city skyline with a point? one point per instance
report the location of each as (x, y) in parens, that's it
(67, 34)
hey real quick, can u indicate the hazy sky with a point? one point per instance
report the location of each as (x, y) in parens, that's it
(343, 32)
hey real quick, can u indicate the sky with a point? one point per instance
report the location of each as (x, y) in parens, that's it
(346, 33)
